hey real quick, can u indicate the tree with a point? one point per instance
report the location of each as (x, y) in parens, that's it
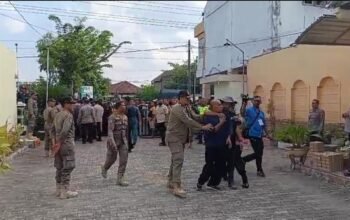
(148, 93)
(77, 54)
(179, 76)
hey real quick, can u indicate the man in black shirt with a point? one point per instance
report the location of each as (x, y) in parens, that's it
(234, 146)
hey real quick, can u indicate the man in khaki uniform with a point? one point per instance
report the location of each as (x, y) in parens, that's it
(64, 149)
(177, 135)
(117, 142)
(48, 125)
(32, 114)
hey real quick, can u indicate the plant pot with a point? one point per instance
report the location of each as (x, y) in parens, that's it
(297, 151)
(283, 145)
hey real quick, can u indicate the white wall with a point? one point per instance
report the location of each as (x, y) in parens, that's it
(233, 89)
(8, 90)
(244, 21)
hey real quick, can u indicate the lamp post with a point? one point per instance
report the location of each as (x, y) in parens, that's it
(229, 43)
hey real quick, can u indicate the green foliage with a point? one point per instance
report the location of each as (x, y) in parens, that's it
(179, 76)
(77, 54)
(148, 93)
(9, 142)
(294, 134)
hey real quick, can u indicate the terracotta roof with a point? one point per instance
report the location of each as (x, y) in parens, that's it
(327, 30)
(124, 87)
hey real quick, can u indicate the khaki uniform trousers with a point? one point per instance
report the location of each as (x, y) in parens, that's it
(65, 164)
(177, 150)
(111, 157)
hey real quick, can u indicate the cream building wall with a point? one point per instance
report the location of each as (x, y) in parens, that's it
(292, 77)
(8, 104)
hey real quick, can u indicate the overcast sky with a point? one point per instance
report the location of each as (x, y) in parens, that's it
(146, 24)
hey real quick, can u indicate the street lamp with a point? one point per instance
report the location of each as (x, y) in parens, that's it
(229, 43)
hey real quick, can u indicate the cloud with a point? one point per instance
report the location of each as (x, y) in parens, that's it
(13, 26)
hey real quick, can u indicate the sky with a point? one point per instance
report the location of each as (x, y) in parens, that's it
(147, 24)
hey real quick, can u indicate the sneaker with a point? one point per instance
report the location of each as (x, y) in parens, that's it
(199, 187)
(179, 192)
(245, 185)
(261, 174)
(103, 172)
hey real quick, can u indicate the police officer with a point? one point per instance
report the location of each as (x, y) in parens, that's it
(177, 135)
(86, 119)
(48, 125)
(117, 142)
(32, 114)
(64, 149)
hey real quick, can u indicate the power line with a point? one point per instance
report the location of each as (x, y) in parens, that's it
(149, 4)
(30, 25)
(144, 9)
(175, 5)
(153, 49)
(87, 13)
(104, 18)
(253, 41)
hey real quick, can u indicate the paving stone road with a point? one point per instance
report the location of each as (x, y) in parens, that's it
(26, 192)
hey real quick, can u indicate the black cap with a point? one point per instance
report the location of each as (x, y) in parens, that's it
(68, 100)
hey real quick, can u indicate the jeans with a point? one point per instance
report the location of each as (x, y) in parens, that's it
(258, 147)
(133, 134)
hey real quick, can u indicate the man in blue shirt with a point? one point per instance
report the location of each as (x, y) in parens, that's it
(215, 142)
(256, 124)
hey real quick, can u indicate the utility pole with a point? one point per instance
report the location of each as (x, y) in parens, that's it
(194, 80)
(189, 67)
(17, 76)
(47, 73)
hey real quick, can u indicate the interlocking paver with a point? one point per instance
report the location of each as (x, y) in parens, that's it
(27, 191)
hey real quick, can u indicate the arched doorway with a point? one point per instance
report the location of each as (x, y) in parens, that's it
(300, 101)
(259, 91)
(328, 93)
(278, 97)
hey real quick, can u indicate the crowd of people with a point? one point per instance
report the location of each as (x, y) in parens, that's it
(213, 122)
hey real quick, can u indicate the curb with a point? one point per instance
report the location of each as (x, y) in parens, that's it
(16, 153)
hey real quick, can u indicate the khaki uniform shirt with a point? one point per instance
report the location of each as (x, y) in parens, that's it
(117, 130)
(86, 115)
(46, 117)
(179, 124)
(32, 108)
(64, 128)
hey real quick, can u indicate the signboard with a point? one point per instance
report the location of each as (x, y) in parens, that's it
(87, 91)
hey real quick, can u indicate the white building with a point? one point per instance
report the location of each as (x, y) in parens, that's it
(253, 26)
(8, 92)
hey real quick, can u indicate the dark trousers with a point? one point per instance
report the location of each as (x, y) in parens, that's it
(161, 129)
(258, 147)
(98, 131)
(214, 166)
(77, 131)
(234, 160)
(87, 132)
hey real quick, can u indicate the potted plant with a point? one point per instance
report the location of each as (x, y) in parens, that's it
(297, 137)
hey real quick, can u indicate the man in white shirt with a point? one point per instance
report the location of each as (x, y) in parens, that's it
(99, 114)
(161, 114)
